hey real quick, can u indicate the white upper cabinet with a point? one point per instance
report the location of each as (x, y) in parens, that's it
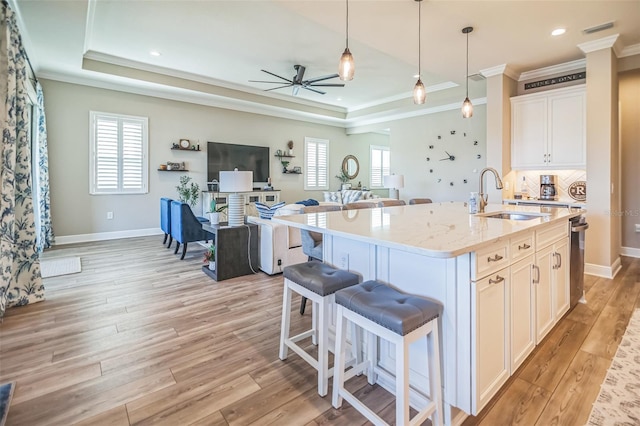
(548, 129)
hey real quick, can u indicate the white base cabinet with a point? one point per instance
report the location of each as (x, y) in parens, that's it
(548, 129)
(522, 308)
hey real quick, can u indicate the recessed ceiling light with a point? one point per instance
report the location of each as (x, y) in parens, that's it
(155, 53)
(558, 31)
(338, 99)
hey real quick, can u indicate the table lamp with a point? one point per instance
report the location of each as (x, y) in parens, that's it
(394, 182)
(234, 182)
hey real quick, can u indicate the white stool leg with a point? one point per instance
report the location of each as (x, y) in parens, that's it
(435, 389)
(356, 344)
(314, 322)
(323, 346)
(339, 360)
(372, 357)
(402, 381)
(286, 320)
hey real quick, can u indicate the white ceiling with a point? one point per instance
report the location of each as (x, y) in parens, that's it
(226, 43)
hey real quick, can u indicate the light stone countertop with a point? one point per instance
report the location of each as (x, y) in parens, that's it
(440, 230)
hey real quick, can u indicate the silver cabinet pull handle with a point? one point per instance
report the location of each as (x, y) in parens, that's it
(494, 258)
(537, 279)
(524, 246)
(497, 280)
(559, 260)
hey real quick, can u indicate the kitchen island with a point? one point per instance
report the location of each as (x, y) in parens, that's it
(503, 283)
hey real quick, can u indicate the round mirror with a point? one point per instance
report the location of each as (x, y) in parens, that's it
(350, 166)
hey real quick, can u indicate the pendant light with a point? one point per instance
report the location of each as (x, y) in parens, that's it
(346, 67)
(419, 92)
(467, 107)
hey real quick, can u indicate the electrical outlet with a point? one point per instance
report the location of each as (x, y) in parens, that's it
(343, 261)
(637, 227)
(507, 185)
(109, 215)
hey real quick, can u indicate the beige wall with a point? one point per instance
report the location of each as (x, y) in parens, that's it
(410, 141)
(76, 212)
(629, 90)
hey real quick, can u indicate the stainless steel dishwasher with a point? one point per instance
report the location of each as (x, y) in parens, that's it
(576, 273)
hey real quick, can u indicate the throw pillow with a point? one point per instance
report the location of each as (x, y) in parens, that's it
(351, 196)
(335, 197)
(267, 212)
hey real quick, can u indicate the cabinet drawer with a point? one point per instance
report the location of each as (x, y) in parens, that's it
(490, 259)
(551, 233)
(522, 246)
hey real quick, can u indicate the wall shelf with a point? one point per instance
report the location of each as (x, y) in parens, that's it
(185, 149)
(172, 170)
(284, 156)
(288, 172)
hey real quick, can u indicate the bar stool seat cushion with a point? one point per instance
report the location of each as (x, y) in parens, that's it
(399, 312)
(319, 277)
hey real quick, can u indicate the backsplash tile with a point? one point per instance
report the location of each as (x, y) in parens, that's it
(565, 179)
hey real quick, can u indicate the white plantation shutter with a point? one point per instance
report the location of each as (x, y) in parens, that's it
(380, 165)
(119, 146)
(316, 164)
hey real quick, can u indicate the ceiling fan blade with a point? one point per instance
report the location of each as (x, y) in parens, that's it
(324, 77)
(264, 81)
(280, 87)
(325, 85)
(314, 90)
(276, 75)
(298, 77)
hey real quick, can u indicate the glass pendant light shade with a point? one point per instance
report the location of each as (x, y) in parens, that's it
(347, 67)
(467, 108)
(419, 93)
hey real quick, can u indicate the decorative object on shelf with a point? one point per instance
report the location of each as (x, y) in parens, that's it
(419, 92)
(185, 143)
(162, 167)
(214, 212)
(284, 166)
(279, 153)
(290, 146)
(467, 107)
(394, 183)
(297, 169)
(346, 67)
(350, 166)
(176, 166)
(210, 256)
(236, 182)
(188, 192)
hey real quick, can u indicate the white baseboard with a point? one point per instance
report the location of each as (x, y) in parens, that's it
(630, 251)
(102, 236)
(603, 271)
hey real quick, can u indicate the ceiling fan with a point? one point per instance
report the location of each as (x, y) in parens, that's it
(297, 81)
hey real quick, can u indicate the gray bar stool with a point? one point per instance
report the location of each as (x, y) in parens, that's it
(317, 282)
(400, 319)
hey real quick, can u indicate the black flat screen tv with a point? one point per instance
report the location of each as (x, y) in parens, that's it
(226, 156)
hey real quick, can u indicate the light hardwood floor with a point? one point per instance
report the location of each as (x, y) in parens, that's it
(140, 337)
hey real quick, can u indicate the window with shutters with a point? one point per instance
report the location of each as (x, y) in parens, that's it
(119, 147)
(316, 164)
(380, 165)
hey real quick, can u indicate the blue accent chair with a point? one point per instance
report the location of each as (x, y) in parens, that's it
(165, 219)
(186, 227)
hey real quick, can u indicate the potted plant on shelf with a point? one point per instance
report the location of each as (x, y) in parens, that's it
(210, 256)
(188, 192)
(290, 146)
(214, 212)
(342, 176)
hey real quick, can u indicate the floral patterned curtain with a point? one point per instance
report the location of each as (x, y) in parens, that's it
(20, 280)
(45, 231)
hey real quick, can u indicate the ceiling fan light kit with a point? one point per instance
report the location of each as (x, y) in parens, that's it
(419, 92)
(467, 107)
(346, 67)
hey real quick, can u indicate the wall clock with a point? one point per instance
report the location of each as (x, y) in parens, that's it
(448, 157)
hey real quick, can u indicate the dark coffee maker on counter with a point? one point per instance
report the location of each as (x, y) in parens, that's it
(548, 187)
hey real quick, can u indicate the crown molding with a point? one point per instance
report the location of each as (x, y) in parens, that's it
(601, 43)
(190, 96)
(366, 121)
(500, 69)
(406, 95)
(553, 69)
(632, 50)
(128, 63)
(88, 26)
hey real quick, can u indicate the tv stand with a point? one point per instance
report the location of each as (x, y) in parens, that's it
(268, 197)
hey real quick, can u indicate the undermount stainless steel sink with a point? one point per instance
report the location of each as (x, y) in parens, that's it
(513, 215)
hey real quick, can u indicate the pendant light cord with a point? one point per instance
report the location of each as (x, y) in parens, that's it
(467, 76)
(347, 34)
(419, 38)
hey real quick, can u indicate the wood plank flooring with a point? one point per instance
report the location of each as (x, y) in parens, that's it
(140, 337)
